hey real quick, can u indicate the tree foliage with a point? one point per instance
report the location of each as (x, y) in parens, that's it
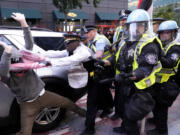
(166, 12)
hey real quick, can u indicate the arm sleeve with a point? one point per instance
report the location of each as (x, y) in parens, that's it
(5, 64)
(78, 57)
(100, 44)
(171, 59)
(55, 54)
(28, 38)
(147, 60)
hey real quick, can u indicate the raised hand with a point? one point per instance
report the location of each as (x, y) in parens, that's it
(6, 47)
(20, 18)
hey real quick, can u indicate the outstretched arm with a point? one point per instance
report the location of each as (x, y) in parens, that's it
(27, 33)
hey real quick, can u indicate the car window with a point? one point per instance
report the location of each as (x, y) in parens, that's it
(50, 43)
(19, 43)
(3, 39)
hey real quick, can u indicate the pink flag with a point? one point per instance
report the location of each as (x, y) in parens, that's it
(30, 61)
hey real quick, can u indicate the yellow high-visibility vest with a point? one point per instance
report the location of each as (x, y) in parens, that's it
(151, 79)
(122, 43)
(118, 30)
(165, 73)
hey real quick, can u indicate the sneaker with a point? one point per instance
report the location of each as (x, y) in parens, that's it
(105, 113)
(115, 116)
(119, 130)
(88, 131)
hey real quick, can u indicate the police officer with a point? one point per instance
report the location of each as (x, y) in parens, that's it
(137, 61)
(156, 23)
(122, 21)
(99, 95)
(166, 87)
(118, 35)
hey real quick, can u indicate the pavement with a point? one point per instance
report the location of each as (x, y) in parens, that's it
(74, 124)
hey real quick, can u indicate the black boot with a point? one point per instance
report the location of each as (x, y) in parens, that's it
(115, 116)
(106, 112)
(120, 130)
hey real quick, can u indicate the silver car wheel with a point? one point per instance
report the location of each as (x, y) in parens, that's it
(47, 115)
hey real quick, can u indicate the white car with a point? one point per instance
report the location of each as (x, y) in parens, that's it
(55, 79)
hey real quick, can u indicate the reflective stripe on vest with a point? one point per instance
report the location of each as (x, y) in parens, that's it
(122, 43)
(165, 73)
(151, 79)
(118, 32)
(107, 53)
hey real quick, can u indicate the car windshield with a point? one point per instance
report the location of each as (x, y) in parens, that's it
(2, 38)
(50, 43)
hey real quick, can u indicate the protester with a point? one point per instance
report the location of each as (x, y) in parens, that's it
(29, 89)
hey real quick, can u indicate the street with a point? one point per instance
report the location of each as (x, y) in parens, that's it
(74, 125)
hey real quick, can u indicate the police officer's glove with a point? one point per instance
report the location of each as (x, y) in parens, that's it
(119, 77)
(99, 64)
(123, 77)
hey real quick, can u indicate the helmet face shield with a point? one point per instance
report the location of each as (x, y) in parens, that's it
(134, 31)
(165, 35)
(168, 36)
(178, 36)
(168, 31)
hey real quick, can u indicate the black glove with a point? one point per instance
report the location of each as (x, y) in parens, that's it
(99, 64)
(119, 77)
(107, 80)
(122, 77)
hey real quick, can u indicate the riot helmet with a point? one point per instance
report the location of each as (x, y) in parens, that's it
(168, 31)
(138, 23)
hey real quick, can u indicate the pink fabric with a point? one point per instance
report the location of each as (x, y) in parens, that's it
(30, 61)
(29, 56)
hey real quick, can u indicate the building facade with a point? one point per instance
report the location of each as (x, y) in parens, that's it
(43, 13)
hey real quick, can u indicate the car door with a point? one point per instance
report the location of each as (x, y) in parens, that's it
(6, 96)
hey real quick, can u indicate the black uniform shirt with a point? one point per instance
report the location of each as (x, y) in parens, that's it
(171, 58)
(148, 58)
